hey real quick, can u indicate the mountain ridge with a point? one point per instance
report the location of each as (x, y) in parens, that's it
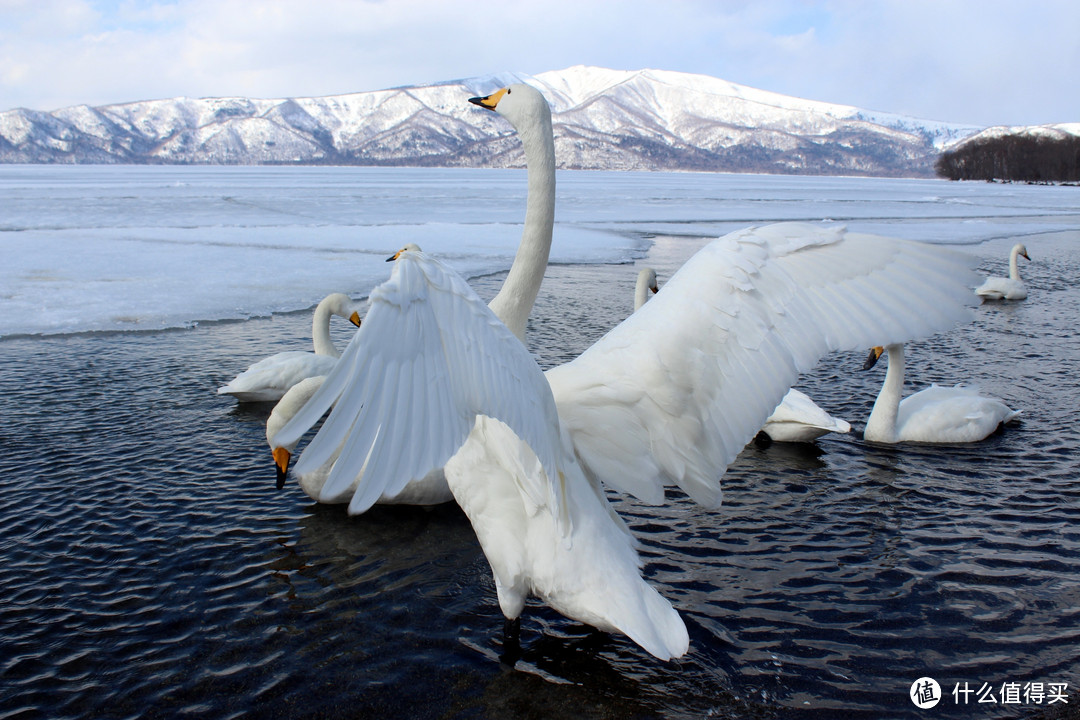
(604, 120)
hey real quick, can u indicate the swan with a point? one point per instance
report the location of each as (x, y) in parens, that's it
(669, 396)
(799, 419)
(796, 419)
(268, 379)
(530, 115)
(1010, 288)
(935, 415)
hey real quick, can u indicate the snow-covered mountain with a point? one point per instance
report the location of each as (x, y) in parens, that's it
(1059, 131)
(604, 119)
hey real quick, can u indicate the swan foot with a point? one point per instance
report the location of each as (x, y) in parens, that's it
(511, 641)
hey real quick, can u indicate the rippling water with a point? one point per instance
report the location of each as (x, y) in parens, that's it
(150, 568)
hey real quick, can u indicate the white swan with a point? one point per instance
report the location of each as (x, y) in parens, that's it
(530, 116)
(796, 419)
(934, 415)
(669, 396)
(268, 379)
(799, 419)
(1010, 288)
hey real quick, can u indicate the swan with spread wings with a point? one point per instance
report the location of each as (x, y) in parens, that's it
(668, 397)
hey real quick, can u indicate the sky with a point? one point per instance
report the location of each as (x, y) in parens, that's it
(977, 62)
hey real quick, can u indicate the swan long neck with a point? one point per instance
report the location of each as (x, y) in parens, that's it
(1014, 266)
(515, 300)
(881, 425)
(641, 294)
(320, 331)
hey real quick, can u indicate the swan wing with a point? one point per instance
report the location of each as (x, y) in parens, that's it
(672, 394)
(428, 359)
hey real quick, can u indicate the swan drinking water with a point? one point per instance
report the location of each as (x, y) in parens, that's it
(934, 415)
(268, 379)
(1010, 288)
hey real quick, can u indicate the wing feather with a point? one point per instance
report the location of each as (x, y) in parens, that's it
(672, 394)
(429, 358)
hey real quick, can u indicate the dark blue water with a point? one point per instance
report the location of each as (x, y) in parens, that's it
(150, 568)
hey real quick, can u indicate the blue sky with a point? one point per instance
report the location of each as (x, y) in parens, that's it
(982, 62)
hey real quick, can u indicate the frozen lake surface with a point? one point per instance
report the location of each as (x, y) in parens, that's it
(139, 248)
(150, 568)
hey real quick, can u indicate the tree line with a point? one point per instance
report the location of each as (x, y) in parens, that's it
(1016, 157)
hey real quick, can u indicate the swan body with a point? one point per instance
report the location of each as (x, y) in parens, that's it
(268, 379)
(799, 419)
(669, 396)
(935, 415)
(1006, 288)
(796, 419)
(592, 575)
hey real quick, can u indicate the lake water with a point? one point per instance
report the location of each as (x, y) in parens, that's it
(151, 569)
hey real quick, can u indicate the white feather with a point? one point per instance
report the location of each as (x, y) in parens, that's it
(673, 394)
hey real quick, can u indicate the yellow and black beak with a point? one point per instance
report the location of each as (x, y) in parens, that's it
(281, 460)
(489, 101)
(872, 358)
(395, 256)
(355, 318)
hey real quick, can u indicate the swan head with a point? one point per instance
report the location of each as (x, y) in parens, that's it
(1020, 249)
(342, 305)
(411, 247)
(873, 357)
(517, 103)
(647, 277)
(281, 462)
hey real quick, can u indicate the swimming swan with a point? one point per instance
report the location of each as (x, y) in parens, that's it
(268, 379)
(529, 114)
(1010, 288)
(796, 419)
(668, 397)
(934, 415)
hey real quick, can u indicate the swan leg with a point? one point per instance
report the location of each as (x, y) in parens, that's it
(511, 641)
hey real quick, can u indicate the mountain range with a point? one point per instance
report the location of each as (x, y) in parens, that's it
(604, 120)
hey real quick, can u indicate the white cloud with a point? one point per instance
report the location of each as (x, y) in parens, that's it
(979, 61)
